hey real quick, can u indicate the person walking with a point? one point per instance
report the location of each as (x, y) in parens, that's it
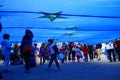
(53, 53)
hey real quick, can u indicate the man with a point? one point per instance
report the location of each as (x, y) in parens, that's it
(110, 50)
(53, 53)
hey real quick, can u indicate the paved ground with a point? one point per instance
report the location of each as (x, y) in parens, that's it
(94, 70)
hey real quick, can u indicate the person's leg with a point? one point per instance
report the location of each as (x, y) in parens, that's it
(27, 57)
(44, 58)
(78, 57)
(1, 77)
(86, 57)
(118, 54)
(109, 55)
(69, 56)
(41, 57)
(6, 63)
(51, 61)
(114, 57)
(91, 55)
(56, 61)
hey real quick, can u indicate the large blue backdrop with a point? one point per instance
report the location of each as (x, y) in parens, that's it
(86, 21)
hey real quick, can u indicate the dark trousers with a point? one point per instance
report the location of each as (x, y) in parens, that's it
(110, 54)
(42, 59)
(27, 56)
(53, 58)
(86, 57)
(118, 52)
(1, 76)
(91, 55)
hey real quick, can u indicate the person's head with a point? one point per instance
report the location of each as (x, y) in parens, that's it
(27, 31)
(35, 44)
(6, 36)
(50, 41)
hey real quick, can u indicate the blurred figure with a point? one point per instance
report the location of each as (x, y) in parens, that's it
(117, 48)
(85, 51)
(53, 53)
(78, 54)
(26, 48)
(6, 51)
(99, 51)
(110, 50)
(71, 44)
(73, 53)
(64, 51)
(43, 53)
(91, 51)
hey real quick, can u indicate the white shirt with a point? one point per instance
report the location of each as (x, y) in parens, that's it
(109, 46)
(51, 47)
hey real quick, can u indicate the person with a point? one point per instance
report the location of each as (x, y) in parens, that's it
(110, 49)
(99, 52)
(117, 48)
(43, 53)
(6, 51)
(64, 52)
(53, 53)
(73, 53)
(85, 51)
(78, 54)
(26, 48)
(71, 44)
(91, 51)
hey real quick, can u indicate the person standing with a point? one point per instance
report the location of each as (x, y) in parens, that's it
(110, 50)
(6, 51)
(53, 53)
(91, 51)
(85, 51)
(43, 53)
(78, 53)
(26, 48)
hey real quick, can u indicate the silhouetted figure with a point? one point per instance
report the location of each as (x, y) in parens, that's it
(91, 50)
(26, 48)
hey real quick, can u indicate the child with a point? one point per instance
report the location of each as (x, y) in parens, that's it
(78, 54)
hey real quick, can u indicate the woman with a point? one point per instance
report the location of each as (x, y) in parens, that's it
(26, 48)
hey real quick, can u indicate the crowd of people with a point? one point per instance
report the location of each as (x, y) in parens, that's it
(27, 51)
